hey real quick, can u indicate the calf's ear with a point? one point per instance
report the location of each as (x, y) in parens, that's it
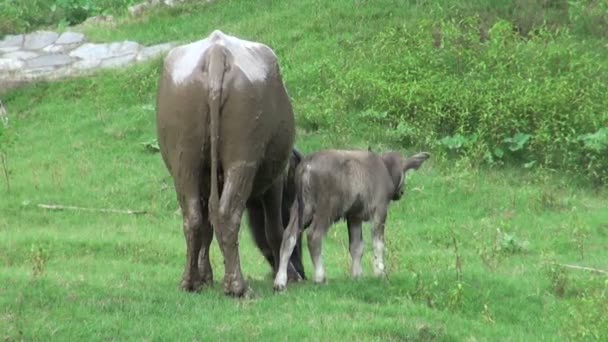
(415, 161)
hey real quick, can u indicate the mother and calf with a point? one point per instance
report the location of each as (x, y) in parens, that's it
(226, 131)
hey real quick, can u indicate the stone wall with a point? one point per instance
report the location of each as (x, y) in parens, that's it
(48, 55)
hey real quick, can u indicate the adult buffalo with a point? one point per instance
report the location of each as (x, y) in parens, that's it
(257, 224)
(226, 131)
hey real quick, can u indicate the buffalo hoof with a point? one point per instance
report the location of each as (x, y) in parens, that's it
(207, 277)
(380, 274)
(356, 275)
(192, 286)
(235, 288)
(322, 280)
(279, 287)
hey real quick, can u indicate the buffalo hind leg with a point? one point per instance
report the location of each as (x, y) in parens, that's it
(237, 188)
(355, 242)
(315, 245)
(192, 225)
(204, 265)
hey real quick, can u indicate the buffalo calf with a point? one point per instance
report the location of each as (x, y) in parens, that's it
(353, 185)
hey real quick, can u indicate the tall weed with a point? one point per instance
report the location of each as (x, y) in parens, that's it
(538, 100)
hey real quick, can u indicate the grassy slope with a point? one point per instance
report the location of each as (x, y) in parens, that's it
(76, 275)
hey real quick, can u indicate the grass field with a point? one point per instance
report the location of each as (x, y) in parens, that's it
(473, 253)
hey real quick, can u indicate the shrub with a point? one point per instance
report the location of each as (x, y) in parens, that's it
(20, 16)
(539, 99)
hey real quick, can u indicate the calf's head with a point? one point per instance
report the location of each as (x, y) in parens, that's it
(398, 166)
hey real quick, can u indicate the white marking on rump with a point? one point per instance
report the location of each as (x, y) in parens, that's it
(182, 60)
(249, 57)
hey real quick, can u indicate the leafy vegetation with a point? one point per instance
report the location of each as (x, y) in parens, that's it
(474, 253)
(496, 98)
(19, 16)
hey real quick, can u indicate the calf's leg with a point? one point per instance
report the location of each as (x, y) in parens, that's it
(355, 241)
(272, 200)
(315, 244)
(299, 219)
(287, 245)
(378, 243)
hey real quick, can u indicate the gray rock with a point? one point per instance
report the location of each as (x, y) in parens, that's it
(60, 48)
(8, 49)
(11, 41)
(59, 73)
(137, 10)
(70, 38)
(23, 55)
(48, 61)
(100, 19)
(87, 64)
(37, 72)
(172, 3)
(47, 56)
(119, 61)
(39, 39)
(154, 51)
(103, 51)
(90, 51)
(8, 64)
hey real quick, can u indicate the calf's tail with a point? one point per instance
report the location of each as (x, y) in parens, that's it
(300, 202)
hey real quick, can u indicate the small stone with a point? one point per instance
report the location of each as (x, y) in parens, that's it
(90, 51)
(48, 61)
(23, 55)
(103, 51)
(137, 10)
(118, 61)
(60, 48)
(12, 41)
(70, 38)
(39, 39)
(172, 3)
(8, 64)
(154, 51)
(99, 19)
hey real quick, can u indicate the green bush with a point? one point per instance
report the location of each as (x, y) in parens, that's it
(20, 16)
(502, 97)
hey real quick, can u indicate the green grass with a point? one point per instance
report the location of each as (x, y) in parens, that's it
(424, 72)
(70, 275)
